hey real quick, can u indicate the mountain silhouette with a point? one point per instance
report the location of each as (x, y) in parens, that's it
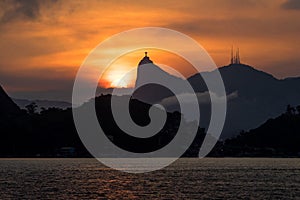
(149, 72)
(253, 96)
(248, 82)
(52, 131)
(259, 96)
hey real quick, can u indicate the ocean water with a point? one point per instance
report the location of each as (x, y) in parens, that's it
(190, 178)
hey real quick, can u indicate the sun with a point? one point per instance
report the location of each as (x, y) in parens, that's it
(119, 76)
(119, 84)
(118, 79)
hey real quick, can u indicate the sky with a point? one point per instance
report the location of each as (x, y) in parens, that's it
(43, 43)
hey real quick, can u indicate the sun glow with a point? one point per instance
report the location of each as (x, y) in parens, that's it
(119, 79)
(122, 72)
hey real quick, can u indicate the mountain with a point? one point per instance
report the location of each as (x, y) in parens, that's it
(148, 75)
(42, 103)
(259, 96)
(250, 82)
(253, 96)
(7, 106)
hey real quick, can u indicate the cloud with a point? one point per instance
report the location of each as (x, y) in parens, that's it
(203, 98)
(291, 5)
(21, 9)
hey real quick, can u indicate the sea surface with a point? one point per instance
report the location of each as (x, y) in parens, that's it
(188, 178)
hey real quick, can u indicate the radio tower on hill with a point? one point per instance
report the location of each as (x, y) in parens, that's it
(235, 59)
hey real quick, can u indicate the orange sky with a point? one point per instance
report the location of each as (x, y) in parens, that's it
(43, 43)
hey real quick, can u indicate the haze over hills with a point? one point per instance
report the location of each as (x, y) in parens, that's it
(22, 103)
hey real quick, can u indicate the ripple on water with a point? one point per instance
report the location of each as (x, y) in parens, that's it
(209, 178)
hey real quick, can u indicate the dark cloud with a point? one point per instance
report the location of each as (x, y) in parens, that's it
(291, 5)
(21, 9)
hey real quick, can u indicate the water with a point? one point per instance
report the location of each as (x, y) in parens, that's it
(210, 178)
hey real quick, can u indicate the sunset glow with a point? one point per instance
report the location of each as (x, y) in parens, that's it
(43, 51)
(122, 72)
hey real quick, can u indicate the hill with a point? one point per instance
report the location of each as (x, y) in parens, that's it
(259, 96)
(278, 137)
